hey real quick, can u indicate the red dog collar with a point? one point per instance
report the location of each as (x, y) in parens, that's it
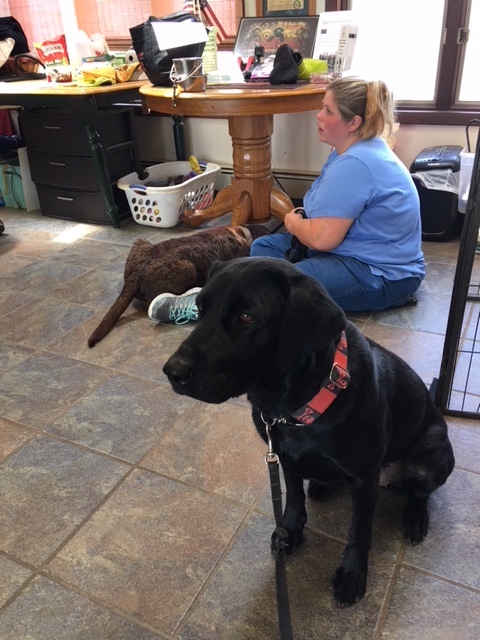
(336, 381)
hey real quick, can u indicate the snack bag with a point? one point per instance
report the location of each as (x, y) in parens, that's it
(52, 53)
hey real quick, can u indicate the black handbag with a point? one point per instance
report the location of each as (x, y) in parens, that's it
(157, 62)
(285, 66)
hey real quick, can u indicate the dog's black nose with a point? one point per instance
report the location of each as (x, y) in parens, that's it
(178, 371)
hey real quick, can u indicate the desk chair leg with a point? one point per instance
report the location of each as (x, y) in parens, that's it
(179, 137)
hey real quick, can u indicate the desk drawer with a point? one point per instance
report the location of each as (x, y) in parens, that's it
(80, 206)
(58, 130)
(77, 172)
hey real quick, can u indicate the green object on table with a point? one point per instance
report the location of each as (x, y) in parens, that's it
(309, 66)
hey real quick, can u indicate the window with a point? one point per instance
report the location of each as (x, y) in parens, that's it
(42, 19)
(113, 18)
(427, 51)
(470, 85)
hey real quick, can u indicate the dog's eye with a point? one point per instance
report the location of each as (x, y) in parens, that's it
(245, 318)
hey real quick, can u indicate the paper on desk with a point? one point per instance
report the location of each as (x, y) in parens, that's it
(172, 35)
(328, 32)
(210, 62)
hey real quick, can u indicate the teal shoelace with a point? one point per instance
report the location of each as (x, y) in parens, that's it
(181, 314)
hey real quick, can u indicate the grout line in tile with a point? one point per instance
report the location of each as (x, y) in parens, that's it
(103, 605)
(43, 566)
(32, 436)
(437, 576)
(385, 608)
(21, 588)
(214, 571)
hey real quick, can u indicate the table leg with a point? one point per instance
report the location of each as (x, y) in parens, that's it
(252, 167)
(249, 195)
(179, 137)
(280, 203)
(221, 206)
(87, 115)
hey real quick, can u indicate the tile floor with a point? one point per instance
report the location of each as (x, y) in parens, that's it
(129, 513)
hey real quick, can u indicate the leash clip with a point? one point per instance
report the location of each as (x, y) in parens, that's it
(270, 456)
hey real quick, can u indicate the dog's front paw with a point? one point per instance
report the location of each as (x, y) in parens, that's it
(415, 519)
(289, 540)
(348, 586)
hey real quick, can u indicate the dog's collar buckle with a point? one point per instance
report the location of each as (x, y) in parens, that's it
(337, 380)
(339, 376)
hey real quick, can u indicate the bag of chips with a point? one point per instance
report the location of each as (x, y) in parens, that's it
(52, 53)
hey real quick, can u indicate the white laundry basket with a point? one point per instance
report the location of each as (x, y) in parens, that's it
(164, 206)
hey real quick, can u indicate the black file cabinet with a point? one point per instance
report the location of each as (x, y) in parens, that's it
(72, 180)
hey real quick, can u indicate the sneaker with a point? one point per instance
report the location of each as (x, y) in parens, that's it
(168, 307)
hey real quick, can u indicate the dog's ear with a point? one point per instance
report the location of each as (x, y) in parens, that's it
(311, 320)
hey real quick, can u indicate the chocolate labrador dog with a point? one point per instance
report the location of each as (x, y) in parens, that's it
(175, 266)
(340, 408)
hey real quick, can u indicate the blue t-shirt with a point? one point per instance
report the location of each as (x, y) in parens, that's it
(370, 185)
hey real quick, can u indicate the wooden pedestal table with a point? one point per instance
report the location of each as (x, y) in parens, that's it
(250, 110)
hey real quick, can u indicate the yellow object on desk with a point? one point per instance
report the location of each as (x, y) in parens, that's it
(106, 74)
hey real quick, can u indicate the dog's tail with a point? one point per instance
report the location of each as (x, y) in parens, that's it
(127, 294)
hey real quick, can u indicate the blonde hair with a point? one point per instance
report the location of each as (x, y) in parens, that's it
(371, 100)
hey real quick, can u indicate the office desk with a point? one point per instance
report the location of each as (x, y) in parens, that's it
(249, 110)
(84, 102)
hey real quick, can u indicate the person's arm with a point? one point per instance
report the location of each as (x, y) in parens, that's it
(320, 234)
(332, 209)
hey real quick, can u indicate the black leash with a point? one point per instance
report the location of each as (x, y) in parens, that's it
(281, 536)
(297, 251)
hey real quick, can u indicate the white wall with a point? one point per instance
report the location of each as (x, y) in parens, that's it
(296, 151)
(414, 138)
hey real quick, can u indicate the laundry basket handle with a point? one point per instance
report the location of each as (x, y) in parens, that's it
(474, 121)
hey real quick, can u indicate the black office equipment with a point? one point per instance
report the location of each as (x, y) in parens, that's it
(432, 171)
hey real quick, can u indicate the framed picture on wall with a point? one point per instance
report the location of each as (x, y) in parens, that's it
(269, 33)
(285, 8)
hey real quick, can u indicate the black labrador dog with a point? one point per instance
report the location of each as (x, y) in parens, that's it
(341, 408)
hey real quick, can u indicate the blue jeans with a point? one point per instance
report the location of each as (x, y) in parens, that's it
(349, 281)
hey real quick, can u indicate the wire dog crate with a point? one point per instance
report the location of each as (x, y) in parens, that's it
(458, 391)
